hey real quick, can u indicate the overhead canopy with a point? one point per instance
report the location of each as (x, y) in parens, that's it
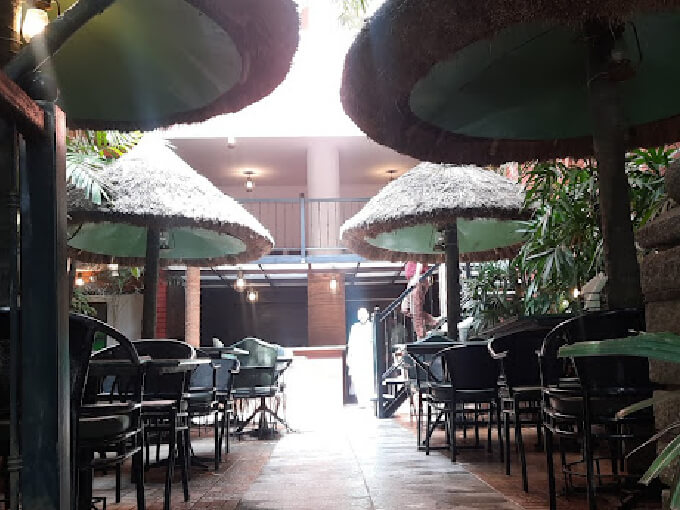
(153, 187)
(405, 219)
(151, 63)
(490, 81)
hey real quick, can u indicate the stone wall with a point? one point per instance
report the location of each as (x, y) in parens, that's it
(660, 274)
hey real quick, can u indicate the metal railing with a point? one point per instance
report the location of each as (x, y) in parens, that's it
(303, 226)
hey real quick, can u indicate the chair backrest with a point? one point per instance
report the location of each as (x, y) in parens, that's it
(470, 367)
(202, 377)
(165, 386)
(591, 327)
(121, 385)
(518, 361)
(258, 367)
(225, 374)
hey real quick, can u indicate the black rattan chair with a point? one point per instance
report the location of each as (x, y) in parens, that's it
(581, 398)
(472, 380)
(202, 398)
(226, 371)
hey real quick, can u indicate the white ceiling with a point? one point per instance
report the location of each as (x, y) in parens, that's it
(277, 161)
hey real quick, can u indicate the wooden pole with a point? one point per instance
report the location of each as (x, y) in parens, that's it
(452, 282)
(153, 255)
(621, 265)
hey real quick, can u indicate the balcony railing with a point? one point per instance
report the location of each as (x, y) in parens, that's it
(305, 226)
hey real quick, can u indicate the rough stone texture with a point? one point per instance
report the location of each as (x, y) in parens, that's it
(673, 181)
(660, 274)
(661, 232)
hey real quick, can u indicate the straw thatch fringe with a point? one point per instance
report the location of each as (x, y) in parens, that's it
(435, 195)
(152, 186)
(406, 38)
(266, 35)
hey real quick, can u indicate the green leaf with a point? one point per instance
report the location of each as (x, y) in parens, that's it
(661, 346)
(649, 402)
(665, 458)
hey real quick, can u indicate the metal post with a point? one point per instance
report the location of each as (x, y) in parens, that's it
(47, 416)
(452, 282)
(153, 255)
(378, 360)
(303, 228)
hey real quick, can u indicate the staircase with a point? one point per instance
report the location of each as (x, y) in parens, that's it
(392, 384)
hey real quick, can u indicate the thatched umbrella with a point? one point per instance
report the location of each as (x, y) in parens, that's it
(144, 64)
(489, 81)
(161, 211)
(477, 211)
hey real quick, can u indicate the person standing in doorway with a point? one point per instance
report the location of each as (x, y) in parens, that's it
(421, 319)
(360, 358)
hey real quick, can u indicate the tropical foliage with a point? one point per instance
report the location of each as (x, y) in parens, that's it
(87, 152)
(659, 346)
(353, 12)
(564, 245)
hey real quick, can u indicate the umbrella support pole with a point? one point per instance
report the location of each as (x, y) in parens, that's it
(153, 255)
(621, 266)
(452, 281)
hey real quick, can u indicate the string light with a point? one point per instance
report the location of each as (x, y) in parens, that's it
(252, 296)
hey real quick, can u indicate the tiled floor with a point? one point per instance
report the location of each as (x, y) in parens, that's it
(352, 461)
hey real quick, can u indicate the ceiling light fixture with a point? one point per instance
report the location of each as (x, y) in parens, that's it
(333, 284)
(240, 282)
(250, 185)
(252, 296)
(392, 173)
(231, 142)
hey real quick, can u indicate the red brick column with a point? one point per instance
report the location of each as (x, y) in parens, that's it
(326, 310)
(162, 305)
(192, 316)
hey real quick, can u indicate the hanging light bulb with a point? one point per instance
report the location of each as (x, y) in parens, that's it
(252, 296)
(35, 21)
(80, 282)
(333, 284)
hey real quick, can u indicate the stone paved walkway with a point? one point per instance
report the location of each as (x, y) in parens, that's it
(360, 463)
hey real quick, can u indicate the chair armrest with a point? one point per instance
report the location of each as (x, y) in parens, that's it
(107, 409)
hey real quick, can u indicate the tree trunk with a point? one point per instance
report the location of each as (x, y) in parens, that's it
(153, 254)
(621, 265)
(452, 282)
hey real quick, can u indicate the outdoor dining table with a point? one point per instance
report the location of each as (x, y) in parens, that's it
(221, 352)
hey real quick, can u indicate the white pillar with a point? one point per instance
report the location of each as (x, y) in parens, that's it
(323, 181)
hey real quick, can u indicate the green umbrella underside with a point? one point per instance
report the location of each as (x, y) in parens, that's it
(144, 64)
(491, 81)
(152, 187)
(404, 221)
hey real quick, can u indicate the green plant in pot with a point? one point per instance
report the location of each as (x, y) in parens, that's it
(658, 346)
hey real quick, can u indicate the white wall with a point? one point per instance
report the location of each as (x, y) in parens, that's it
(124, 312)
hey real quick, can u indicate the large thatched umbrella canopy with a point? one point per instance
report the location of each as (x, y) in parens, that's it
(144, 64)
(489, 81)
(161, 210)
(434, 213)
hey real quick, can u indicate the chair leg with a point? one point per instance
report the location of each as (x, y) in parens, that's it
(498, 427)
(488, 429)
(117, 483)
(138, 470)
(476, 420)
(419, 419)
(452, 432)
(506, 427)
(520, 445)
(588, 454)
(171, 463)
(428, 433)
(551, 468)
(216, 431)
(184, 460)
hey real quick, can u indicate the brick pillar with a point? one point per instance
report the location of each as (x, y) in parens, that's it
(162, 305)
(192, 331)
(326, 310)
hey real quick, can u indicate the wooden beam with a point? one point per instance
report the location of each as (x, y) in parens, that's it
(30, 118)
